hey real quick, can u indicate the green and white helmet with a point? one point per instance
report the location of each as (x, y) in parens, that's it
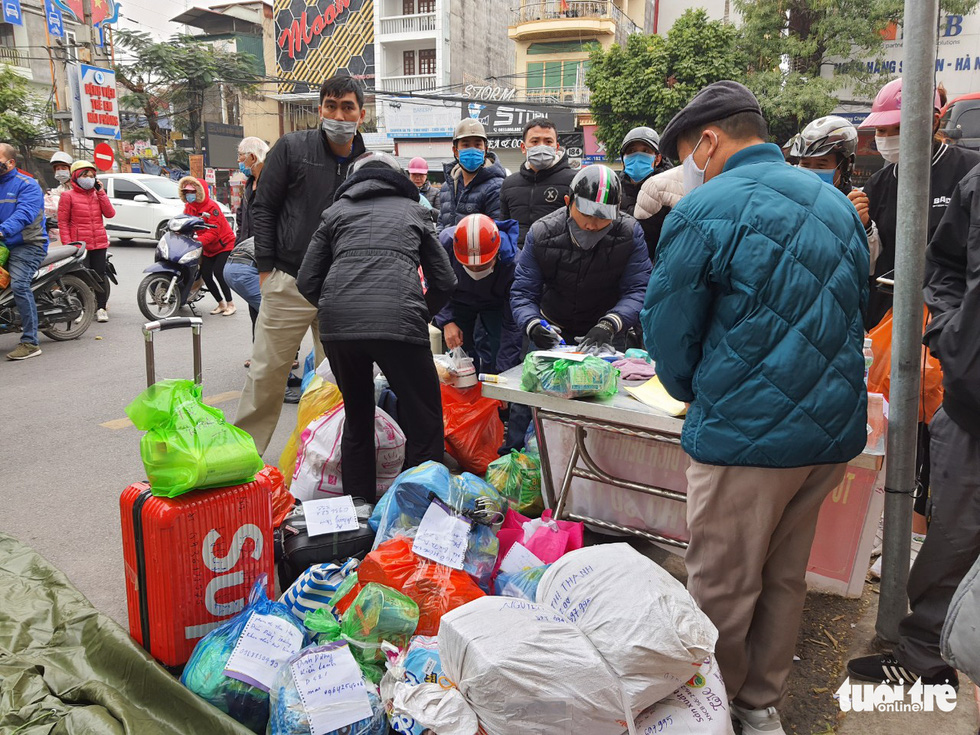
(830, 134)
(596, 191)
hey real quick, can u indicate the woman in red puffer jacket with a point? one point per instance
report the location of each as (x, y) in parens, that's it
(218, 243)
(80, 213)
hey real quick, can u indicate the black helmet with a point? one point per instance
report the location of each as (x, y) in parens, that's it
(596, 191)
(375, 159)
(645, 135)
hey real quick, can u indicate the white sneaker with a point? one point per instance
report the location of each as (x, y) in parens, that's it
(758, 721)
(101, 316)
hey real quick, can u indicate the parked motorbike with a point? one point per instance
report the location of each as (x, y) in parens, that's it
(64, 290)
(174, 278)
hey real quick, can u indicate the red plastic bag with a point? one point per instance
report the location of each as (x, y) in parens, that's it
(435, 588)
(879, 377)
(549, 543)
(282, 500)
(472, 426)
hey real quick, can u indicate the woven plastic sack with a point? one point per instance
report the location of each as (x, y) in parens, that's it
(472, 426)
(318, 466)
(405, 504)
(288, 714)
(518, 478)
(522, 585)
(879, 377)
(699, 707)
(187, 444)
(204, 673)
(568, 378)
(319, 398)
(378, 614)
(642, 621)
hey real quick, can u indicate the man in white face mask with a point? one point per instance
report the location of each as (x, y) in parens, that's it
(541, 185)
(753, 316)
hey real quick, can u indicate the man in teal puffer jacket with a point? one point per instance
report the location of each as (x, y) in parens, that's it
(754, 317)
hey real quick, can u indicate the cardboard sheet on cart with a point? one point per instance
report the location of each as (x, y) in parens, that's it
(845, 530)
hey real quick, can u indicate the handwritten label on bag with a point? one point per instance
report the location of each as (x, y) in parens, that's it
(330, 515)
(519, 558)
(442, 535)
(265, 644)
(331, 687)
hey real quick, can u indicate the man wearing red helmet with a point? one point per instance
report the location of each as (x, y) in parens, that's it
(483, 255)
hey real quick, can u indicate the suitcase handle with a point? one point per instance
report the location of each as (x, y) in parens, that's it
(161, 325)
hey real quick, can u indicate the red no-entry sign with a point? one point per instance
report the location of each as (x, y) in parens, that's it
(104, 156)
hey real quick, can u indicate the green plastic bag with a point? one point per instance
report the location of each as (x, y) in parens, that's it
(517, 477)
(568, 378)
(187, 444)
(4, 255)
(378, 614)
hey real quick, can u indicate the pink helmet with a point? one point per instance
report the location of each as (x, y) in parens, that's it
(887, 107)
(418, 165)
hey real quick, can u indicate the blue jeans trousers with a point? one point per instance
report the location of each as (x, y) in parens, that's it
(22, 265)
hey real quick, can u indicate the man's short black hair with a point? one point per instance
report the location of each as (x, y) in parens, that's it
(340, 85)
(740, 126)
(538, 122)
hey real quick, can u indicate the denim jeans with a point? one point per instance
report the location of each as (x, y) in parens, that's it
(243, 279)
(22, 265)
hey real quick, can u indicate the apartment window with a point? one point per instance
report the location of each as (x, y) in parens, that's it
(553, 74)
(408, 7)
(6, 35)
(427, 6)
(408, 63)
(427, 61)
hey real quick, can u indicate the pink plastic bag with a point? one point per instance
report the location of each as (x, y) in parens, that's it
(549, 539)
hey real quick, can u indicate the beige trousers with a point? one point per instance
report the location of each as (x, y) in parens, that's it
(751, 532)
(284, 318)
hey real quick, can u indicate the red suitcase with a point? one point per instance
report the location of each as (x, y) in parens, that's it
(191, 561)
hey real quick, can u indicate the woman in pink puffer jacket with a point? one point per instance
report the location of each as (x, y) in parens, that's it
(80, 213)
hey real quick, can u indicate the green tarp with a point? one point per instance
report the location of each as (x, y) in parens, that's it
(67, 669)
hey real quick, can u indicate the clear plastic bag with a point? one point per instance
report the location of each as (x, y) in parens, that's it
(518, 478)
(522, 584)
(569, 378)
(319, 398)
(187, 444)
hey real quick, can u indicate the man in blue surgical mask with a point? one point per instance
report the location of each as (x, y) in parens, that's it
(473, 180)
(640, 152)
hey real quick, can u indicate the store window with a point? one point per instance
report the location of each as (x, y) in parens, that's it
(427, 61)
(408, 63)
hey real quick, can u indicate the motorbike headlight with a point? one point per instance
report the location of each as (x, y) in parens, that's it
(190, 257)
(163, 250)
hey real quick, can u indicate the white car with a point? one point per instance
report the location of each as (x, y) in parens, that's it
(144, 204)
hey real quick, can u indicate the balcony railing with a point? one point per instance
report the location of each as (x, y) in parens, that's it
(12, 57)
(408, 83)
(577, 95)
(417, 23)
(532, 10)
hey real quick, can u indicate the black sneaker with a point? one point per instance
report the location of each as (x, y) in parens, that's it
(292, 395)
(294, 381)
(887, 669)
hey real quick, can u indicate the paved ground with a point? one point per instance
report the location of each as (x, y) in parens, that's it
(62, 467)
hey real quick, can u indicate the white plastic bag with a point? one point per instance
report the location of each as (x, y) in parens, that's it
(318, 465)
(514, 661)
(700, 707)
(642, 621)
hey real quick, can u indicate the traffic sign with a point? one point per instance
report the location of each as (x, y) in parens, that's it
(104, 157)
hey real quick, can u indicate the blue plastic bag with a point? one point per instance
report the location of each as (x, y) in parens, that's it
(407, 500)
(522, 584)
(422, 666)
(288, 715)
(204, 673)
(309, 370)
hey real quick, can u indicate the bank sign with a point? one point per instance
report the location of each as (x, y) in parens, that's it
(315, 39)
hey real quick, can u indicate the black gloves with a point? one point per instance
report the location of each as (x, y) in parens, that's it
(543, 337)
(601, 334)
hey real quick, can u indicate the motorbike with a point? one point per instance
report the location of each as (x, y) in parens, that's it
(64, 291)
(174, 278)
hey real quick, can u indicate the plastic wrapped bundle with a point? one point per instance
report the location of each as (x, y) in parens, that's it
(522, 584)
(289, 716)
(416, 665)
(317, 399)
(569, 378)
(699, 707)
(518, 478)
(406, 502)
(205, 675)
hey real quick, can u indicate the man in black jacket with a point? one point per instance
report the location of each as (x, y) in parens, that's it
(953, 543)
(362, 270)
(301, 174)
(540, 187)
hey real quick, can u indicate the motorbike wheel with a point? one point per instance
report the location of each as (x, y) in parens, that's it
(150, 294)
(77, 291)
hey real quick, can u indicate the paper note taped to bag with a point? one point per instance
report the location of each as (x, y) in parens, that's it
(266, 643)
(519, 558)
(443, 536)
(331, 687)
(653, 394)
(330, 515)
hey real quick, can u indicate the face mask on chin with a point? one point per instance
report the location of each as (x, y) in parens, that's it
(586, 239)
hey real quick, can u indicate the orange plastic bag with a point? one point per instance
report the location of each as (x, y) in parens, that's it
(282, 500)
(879, 377)
(320, 397)
(472, 426)
(436, 589)
(4, 278)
